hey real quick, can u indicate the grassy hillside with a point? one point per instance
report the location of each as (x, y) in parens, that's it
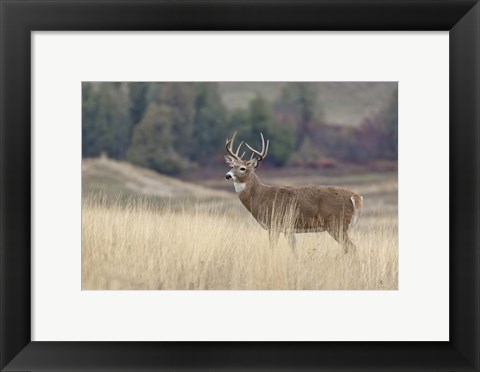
(115, 178)
(143, 230)
(344, 103)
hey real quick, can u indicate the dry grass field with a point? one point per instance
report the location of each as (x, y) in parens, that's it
(193, 237)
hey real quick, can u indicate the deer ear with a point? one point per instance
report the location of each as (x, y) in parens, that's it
(253, 163)
(229, 160)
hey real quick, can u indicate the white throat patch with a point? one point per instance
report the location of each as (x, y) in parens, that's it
(239, 187)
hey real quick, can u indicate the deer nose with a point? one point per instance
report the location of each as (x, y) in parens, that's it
(228, 176)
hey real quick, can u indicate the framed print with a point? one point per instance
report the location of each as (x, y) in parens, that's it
(249, 269)
(134, 236)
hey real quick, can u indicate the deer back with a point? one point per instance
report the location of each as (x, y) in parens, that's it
(312, 208)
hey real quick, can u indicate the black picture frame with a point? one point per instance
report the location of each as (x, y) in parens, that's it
(18, 18)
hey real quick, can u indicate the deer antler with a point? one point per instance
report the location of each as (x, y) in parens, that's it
(263, 153)
(229, 144)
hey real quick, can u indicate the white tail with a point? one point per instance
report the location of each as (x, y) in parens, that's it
(357, 202)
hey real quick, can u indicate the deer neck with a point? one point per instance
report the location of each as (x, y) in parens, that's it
(248, 185)
(239, 186)
(250, 191)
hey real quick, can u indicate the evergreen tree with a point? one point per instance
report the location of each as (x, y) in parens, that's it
(298, 105)
(90, 132)
(121, 123)
(210, 121)
(240, 122)
(280, 133)
(138, 99)
(106, 123)
(391, 126)
(180, 97)
(152, 143)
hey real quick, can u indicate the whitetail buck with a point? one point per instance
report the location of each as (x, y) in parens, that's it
(315, 208)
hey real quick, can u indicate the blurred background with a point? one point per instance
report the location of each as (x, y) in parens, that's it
(179, 127)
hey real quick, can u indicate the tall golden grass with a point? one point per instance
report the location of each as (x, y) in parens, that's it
(136, 244)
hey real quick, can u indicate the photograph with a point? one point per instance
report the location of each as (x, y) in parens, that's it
(240, 185)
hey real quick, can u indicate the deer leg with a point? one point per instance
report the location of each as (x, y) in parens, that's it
(349, 246)
(273, 237)
(292, 241)
(341, 236)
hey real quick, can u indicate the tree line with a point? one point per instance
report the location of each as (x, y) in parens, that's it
(174, 126)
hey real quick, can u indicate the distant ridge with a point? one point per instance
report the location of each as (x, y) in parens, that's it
(342, 103)
(117, 177)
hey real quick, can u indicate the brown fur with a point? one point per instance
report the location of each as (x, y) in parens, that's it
(316, 208)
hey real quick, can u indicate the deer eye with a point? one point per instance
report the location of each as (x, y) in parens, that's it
(242, 169)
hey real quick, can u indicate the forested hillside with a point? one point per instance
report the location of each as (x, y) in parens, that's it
(173, 127)
(342, 103)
